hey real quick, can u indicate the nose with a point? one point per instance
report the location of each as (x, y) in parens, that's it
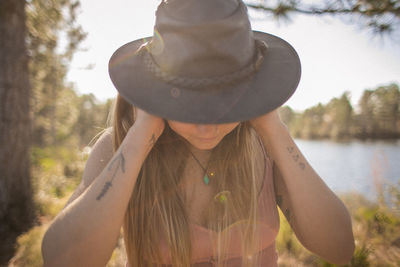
(207, 130)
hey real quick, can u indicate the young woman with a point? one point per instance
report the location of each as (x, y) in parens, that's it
(197, 159)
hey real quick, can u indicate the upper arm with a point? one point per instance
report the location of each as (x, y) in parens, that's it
(99, 156)
(282, 197)
(285, 202)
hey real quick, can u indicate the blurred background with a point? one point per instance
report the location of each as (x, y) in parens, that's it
(55, 97)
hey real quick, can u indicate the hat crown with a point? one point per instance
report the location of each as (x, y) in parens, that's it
(202, 38)
(199, 10)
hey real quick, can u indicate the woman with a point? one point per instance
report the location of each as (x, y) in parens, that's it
(197, 157)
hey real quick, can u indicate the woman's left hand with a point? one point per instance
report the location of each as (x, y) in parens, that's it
(268, 122)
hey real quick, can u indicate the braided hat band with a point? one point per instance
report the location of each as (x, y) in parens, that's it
(216, 81)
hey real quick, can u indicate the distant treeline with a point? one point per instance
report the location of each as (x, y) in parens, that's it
(75, 119)
(376, 116)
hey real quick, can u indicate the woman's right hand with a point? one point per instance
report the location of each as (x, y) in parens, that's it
(154, 124)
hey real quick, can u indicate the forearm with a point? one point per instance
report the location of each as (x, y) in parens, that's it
(319, 218)
(86, 231)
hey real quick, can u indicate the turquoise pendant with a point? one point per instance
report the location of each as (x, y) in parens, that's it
(206, 179)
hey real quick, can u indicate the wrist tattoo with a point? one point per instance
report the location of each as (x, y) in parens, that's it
(119, 160)
(296, 157)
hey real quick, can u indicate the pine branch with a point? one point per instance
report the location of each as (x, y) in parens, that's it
(383, 16)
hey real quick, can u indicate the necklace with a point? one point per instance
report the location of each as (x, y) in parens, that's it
(206, 178)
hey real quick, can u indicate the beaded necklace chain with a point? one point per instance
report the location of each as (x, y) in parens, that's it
(206, 178)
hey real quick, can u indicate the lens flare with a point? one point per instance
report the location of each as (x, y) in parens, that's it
(157, 44)
(122, 57)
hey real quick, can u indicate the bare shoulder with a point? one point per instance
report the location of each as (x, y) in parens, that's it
(100, 154)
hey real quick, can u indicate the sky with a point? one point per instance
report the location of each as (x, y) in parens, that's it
(336, 56)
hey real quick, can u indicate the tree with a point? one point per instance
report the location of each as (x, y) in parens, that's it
(53, 37)
(387, 102)
(312, 122)
(16, 205)
(92, 118)
(30, 93)
(287, 115)
(379, 115)
(381, 16)
(340, 114)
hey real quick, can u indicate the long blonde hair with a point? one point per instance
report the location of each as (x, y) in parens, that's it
(157, 206)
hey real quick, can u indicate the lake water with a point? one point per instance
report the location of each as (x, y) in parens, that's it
(355, 165)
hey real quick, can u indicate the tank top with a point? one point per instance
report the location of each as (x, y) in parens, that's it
(268, 227)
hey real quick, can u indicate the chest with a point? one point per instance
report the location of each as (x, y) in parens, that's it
(197, 194)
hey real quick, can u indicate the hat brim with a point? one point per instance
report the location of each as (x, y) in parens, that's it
(273, 84)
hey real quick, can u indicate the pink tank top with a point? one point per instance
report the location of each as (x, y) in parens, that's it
(268, 223)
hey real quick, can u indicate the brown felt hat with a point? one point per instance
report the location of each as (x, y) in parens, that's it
(205, 65)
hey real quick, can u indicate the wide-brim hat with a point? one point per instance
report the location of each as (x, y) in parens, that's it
(205, 65)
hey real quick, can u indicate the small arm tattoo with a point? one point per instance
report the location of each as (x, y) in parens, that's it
(302, 165)
(107, 186)
(120, 162)
(296, 157)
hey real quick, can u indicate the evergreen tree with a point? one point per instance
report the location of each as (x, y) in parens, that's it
(31, 90)
(16, 205)
(340, 113)
(54, 36)
(379, 113)
(365, 121)
(381, 16)
(376, 117)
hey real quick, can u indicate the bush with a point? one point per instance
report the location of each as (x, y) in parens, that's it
(29, 251)
(376, 231)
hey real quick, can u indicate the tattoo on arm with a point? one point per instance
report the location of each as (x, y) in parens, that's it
(119, 161)
(296, 157)
(302, 165)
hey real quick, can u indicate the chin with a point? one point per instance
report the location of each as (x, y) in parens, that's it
(205, 146)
